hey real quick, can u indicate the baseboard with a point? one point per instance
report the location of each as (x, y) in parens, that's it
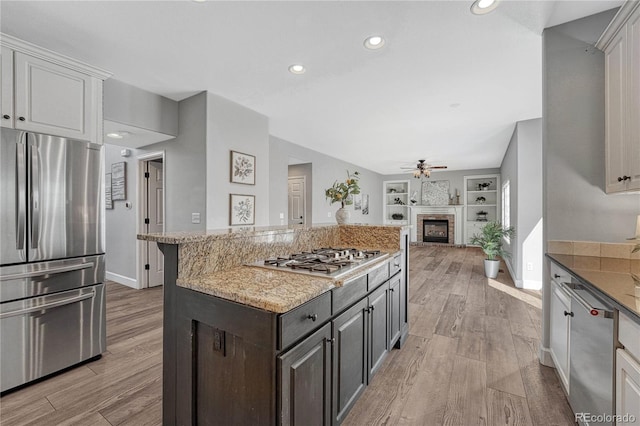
(121, 279)
(532, 285)
(516, 281)
(544, 354)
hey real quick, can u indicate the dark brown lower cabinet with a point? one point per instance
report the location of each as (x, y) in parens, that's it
(305, 381)
(395, 314)
(349, 358)
(378, 313)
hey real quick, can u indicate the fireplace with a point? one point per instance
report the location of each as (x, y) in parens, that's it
(435, 231)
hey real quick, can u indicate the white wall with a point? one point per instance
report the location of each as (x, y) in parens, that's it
(326, 170)
(184, 188)
(522, 166)
(231, 126)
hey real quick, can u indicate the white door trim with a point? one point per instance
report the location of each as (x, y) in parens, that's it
(140, 214)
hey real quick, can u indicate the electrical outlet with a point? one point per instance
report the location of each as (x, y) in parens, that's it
(281, 215)
(328, 214)
(529, 266)
(195, 217)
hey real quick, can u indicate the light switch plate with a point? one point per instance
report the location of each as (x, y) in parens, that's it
(328, 214)
(195, 217)
(281, 215)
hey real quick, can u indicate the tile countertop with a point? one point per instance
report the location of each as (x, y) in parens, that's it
(619, 287)
(274, 291)
(243, 231)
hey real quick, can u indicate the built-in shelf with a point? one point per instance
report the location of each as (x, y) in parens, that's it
(481, 205)
(491, 205)
(392, 190)
(481, 192)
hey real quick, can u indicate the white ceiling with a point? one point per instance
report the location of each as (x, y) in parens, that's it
(448, 86)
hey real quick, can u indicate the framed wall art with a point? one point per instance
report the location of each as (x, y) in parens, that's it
(365, 204)
(243, 168)
(108, 201)
(242, 209)
(119, 181)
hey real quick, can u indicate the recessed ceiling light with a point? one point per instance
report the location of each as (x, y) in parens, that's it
(481, 7)
(297, 69)
(117, 135)
(199, 1)
(374, 42)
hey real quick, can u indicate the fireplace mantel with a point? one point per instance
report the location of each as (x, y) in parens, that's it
(456, 210)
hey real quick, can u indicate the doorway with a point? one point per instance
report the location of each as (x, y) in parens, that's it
(296, 200)
(151, 217)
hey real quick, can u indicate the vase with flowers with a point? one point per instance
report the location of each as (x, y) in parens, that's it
(341, 193)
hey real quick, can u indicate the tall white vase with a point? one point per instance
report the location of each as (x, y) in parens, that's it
(342, 216)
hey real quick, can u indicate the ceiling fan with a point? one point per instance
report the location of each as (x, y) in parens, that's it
(423, 169)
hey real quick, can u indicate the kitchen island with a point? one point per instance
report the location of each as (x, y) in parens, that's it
(249, 345)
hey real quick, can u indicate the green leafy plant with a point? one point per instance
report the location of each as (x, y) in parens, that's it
(340, 192)
(490, 239)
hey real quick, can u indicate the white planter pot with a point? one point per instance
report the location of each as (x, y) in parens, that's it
(342, 216)
(491, 268)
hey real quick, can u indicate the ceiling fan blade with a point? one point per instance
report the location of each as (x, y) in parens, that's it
(436, 167)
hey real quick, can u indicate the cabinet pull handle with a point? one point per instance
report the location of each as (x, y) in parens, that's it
(371, 308)
(6, 116)
(21, 118)
(312, 317)
(392, 290)
(556, 276)
(332, 340)
(623, 178)
(568, 314)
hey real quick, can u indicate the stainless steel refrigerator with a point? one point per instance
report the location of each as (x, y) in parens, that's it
(52, 296)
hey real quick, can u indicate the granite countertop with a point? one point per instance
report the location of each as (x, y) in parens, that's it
(244, 231)
(603, 274)
(267, 289)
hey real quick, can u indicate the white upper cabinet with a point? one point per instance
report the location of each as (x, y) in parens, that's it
(621, 44)
(48, 93)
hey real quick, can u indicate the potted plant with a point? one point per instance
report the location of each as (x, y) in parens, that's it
(490, 241)
(341, 193)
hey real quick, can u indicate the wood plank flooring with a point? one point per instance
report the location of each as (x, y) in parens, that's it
(471, 358)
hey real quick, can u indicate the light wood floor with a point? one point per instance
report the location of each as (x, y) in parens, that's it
(470, 359)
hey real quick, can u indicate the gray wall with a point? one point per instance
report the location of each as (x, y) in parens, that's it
(130, 105)
(575, 204)
(455, 178)
(185, 189)
(326, 170)
(521, 166)
(577, 207)
(306, 170)
(231, 126)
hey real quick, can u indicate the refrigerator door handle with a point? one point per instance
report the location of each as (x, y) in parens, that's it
(21, 193)
(44, 306)
(35, 197)
(31, 274)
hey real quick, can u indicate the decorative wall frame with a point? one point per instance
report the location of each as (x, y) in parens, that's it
(435, 193)
(357, 201)
(365, 204)
(119, 181)
(108, 201)
(242, 209)
(242, 168)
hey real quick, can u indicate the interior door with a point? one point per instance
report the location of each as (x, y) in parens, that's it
(155, 213)
(296, 200)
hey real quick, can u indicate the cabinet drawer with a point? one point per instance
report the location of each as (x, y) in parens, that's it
(303, 319)
(348, 293)
(378, 276)
(395, 265)
(558, 274)
(629, 335)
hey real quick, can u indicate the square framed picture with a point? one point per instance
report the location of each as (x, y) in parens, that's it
(242, 209)
(243, 168)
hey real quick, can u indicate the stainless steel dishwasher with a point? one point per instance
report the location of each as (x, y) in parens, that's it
(591, 355)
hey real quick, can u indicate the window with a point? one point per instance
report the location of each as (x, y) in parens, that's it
(506, 206)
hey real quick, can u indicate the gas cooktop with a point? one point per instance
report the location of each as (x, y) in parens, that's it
(327, 262)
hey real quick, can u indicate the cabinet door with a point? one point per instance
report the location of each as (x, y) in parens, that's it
(349, 359)
(6, 87)
(305, 381)
(633, 143)
(615, 109)
(560, 332)
(395, 316)
(378, 329)
(627, 385)
(52, 99)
